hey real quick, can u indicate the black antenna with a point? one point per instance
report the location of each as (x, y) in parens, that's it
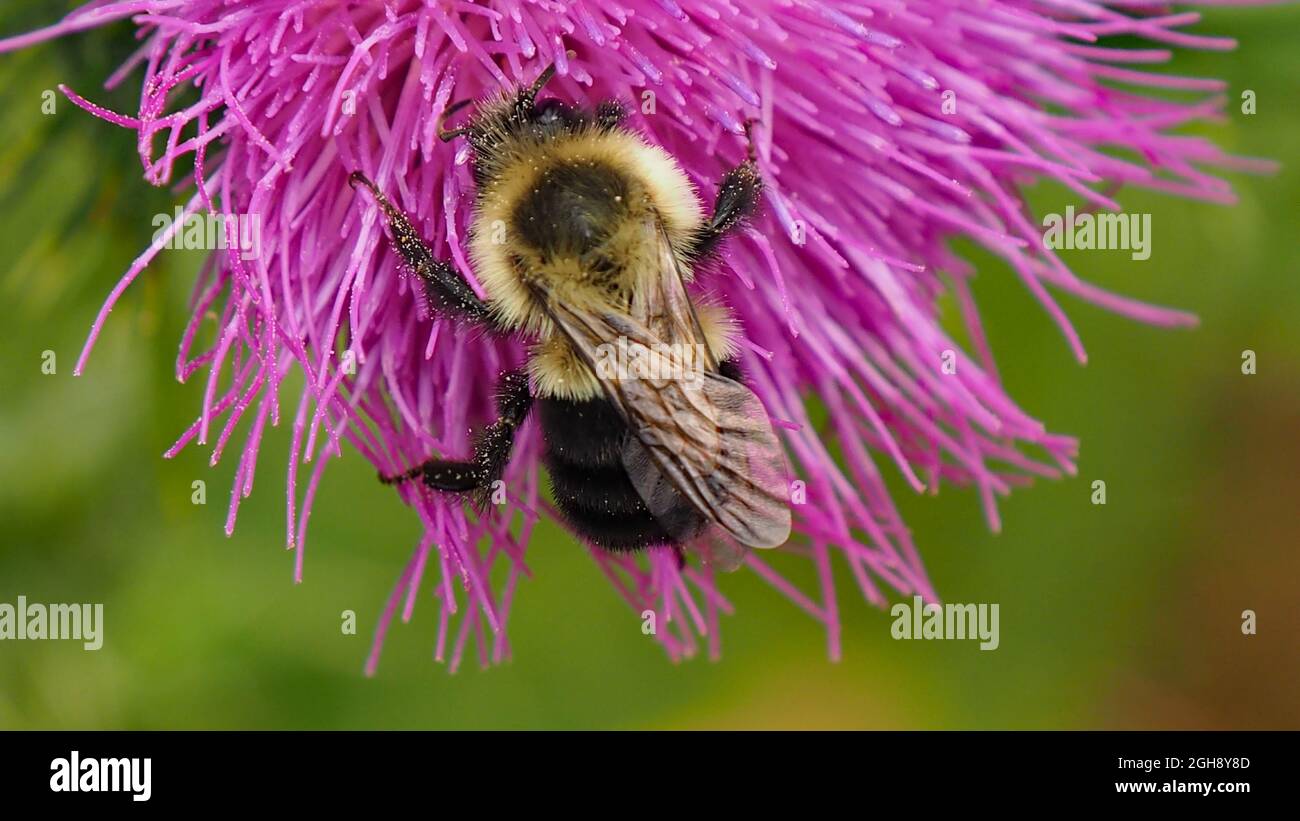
(444, 134)
(541, 81)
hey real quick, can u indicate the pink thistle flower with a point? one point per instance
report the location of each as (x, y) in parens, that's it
(885, 129)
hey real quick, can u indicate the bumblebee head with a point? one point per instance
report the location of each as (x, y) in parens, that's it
(553, 114)
(517, 116)
(509, 114)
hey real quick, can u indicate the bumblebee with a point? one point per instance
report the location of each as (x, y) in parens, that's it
(584, 237)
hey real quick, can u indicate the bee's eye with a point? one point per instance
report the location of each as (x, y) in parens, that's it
(550, 112)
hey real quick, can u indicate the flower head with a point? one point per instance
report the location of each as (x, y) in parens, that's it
(883, 130)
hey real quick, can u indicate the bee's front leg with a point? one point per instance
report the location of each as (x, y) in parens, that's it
(491, 448)
(444, 285)
(738, 196)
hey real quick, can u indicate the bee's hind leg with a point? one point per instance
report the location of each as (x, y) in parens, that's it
(738, 197)
(491, 448)
(446, 288)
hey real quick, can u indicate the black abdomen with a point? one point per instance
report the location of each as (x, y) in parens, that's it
(584, 447)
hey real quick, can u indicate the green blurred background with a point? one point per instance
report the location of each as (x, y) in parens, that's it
(1126, 615)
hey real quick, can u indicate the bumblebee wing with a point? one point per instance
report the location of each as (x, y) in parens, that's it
(717, 549)
(697, 434)
(660, 301)
(715, 546)
(712, 443)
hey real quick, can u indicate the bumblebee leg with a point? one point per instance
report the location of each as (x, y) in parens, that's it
(445, 287)
(610, 115)
(738, 196)
(440, 474)
(491, 447)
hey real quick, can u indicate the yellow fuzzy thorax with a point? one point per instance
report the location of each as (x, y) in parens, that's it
(658, 184)
(657, 187)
